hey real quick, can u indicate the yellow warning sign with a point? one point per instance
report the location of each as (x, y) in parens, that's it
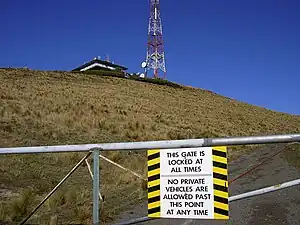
(188, 183)
(154, 183)
(220, 179)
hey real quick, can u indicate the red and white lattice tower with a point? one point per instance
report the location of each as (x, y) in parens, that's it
(155, 59)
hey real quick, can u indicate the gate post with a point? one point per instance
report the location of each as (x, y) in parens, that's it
(96, 186)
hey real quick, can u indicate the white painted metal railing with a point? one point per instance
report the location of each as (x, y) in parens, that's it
(170, 144)
(189, 143)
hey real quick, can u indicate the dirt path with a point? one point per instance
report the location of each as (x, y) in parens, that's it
(277, 208)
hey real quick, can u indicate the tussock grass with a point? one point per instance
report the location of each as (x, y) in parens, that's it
(51, 108)
(292, 155)
(2, 212)
(18, 207)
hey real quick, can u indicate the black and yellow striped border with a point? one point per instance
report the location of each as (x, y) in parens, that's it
(220, 180)
(154, 183)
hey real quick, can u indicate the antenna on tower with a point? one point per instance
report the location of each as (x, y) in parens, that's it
(155, 59)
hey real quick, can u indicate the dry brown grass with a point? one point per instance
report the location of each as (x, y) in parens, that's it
(292, 155)
(2, 212)
(50, 108)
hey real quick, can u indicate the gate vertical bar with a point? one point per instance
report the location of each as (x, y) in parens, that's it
(96, 184)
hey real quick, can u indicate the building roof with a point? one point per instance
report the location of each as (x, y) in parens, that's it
(99, 61)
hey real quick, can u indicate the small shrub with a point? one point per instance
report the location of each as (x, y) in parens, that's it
(105, 215)
(71, 196)
(156, 81)
(83, 213)
(292, 155)
(104, 73)
(56, 200)
(132, 126)
(154, 127)
(20, 207)
(115, 130)
(132, 135)
(102, 124)
(53, 220)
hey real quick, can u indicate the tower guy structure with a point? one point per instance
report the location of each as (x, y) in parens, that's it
(155, 51)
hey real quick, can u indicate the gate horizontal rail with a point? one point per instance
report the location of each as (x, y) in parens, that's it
(188, 143)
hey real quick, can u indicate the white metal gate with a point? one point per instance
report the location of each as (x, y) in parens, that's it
(170, 144)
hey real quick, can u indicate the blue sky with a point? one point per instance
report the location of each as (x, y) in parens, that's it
(245, 49)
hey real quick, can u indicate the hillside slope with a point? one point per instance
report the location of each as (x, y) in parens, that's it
(49, 108)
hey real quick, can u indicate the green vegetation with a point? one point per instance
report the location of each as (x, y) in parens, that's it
(117, 73)
(51, 108)
(156, 81)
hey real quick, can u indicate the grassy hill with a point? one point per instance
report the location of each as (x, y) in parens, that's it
(50, 108)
